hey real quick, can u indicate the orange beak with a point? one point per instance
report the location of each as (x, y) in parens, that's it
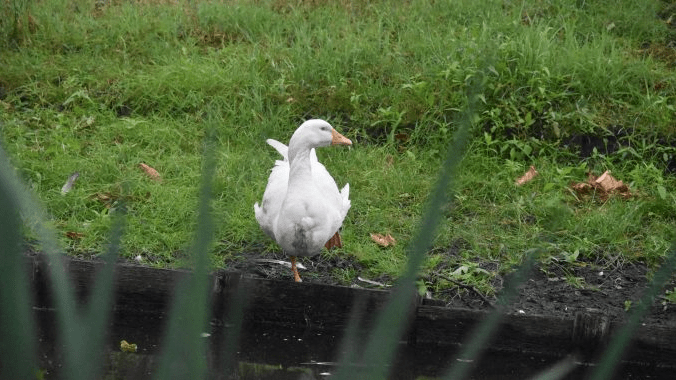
(338, 139)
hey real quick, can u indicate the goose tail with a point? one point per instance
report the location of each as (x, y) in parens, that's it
(279, 147)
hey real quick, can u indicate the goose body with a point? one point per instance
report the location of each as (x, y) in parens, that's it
(302, 208)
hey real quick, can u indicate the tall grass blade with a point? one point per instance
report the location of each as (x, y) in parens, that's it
(480, 336)
(393, 319)
(350, 347)
(97, 313)
(618, 344)
(17, 349)
(558, 370)
(83, 333)
(64, 296)
(15, 22)
(184, 355)
(225, 360)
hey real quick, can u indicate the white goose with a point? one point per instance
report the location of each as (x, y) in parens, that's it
(302, 208)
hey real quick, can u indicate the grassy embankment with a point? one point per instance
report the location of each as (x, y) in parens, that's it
(569, 87)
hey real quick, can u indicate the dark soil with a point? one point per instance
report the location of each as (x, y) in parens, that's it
(547, 291)
(319, 269)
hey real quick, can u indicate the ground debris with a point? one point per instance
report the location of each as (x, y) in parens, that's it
(128, 347)
(69, 183)
(151, 172)
(371, 282)
(604, 186)
(280, 262)
(72, 235)
(527, 177)
(383, 240)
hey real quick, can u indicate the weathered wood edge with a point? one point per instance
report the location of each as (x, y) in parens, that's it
(150, 290)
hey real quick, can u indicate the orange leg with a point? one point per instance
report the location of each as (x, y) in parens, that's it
(296, 276)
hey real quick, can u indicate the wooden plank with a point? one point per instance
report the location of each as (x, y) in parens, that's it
(651, 344)
(137, 288)
(285, 303)
(587, 335)
(541, 334)
(298, 304)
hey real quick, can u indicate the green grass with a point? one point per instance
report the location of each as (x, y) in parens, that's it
(99, 91)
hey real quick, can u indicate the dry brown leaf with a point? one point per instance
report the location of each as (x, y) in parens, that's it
(610, 184)
(581, 187)
(389, 160)
(74, 235)
(403, 137)
(604, 185)
(527, 177)
(104, 197)
(6, 106)
(383, 240)
(151, 172)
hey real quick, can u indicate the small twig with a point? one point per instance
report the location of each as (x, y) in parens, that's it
(468, 287)
(280, 262)
(372, 282)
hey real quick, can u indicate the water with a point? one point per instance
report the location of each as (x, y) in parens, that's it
(273, 352)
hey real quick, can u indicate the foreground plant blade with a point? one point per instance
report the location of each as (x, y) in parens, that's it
(82, 334)
(225, 357)
(184, 349)
(99, 309)
(481, 334)
(558, 370)
(64, 297)
(620, 340)
(17, 329)
(395, 316)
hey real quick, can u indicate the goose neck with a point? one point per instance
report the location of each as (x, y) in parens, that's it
(299, 164)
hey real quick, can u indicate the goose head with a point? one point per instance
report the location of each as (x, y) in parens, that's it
(315, 133)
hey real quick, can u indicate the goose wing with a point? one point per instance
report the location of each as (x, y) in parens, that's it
(275, 191)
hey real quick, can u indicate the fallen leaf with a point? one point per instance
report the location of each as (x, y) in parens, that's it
(403, 137)
(128, 347)
(151, 172)
(610, 184)
(582, 187)
(383, 240)
(107, 198)
(74, 235)
(604, 185)
(69, 183)
(527, 177)
(389, 160)
(104, 197)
